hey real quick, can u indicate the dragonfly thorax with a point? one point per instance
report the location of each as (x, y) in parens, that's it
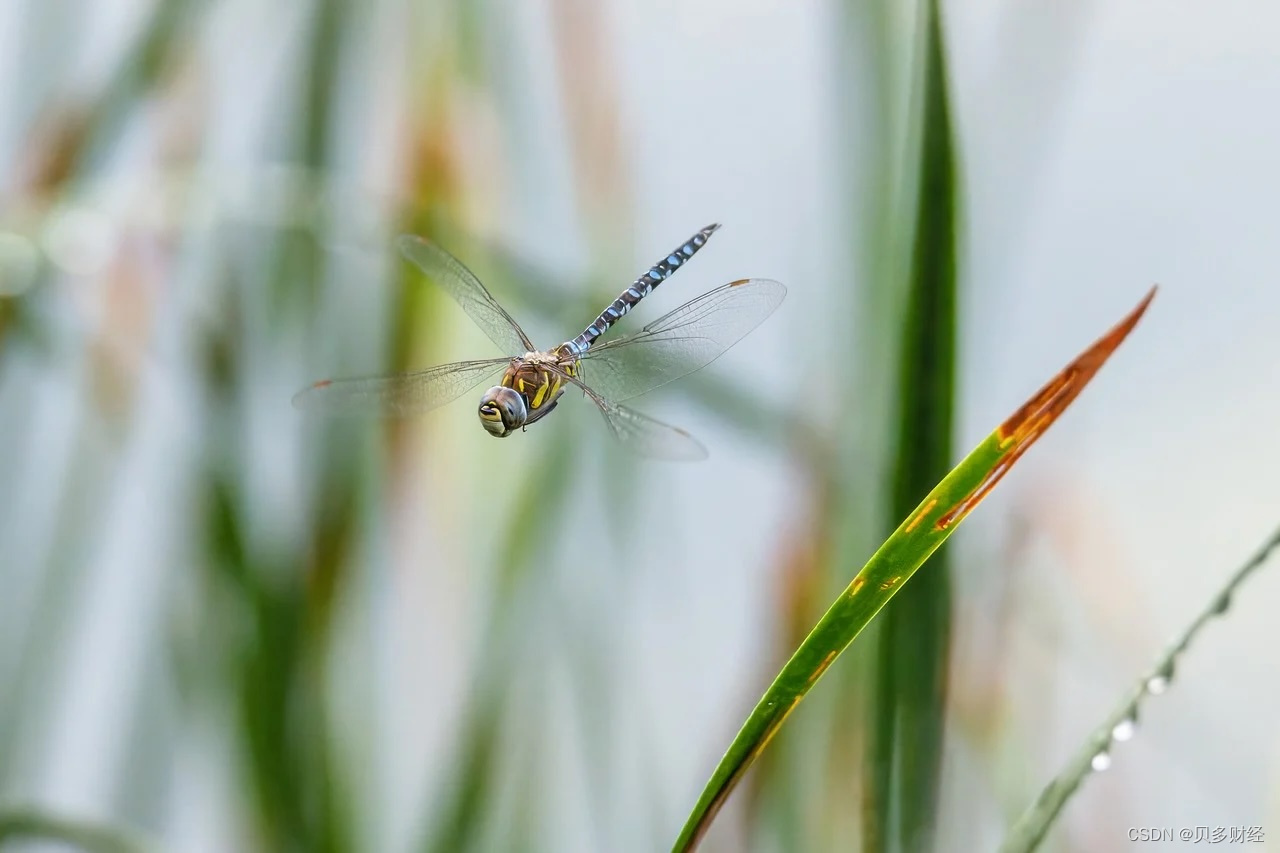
(530, 388)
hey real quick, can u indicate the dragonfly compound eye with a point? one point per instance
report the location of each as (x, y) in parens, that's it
(502, 411)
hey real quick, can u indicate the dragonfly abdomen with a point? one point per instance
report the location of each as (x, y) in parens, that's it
(639, 289)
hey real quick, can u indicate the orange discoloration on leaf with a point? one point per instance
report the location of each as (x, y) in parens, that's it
(1058, 392)
(928, 508)
(323, 383)
(890, 583)
(856, 585)
(1035, 416)
(822, 667)
(960, 510)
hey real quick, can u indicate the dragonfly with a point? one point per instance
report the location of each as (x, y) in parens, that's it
(532, 381)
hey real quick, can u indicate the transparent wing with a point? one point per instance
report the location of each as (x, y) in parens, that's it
(461, 284)
(676, 344)
(402, 394)
(648, 437)
(642, 434)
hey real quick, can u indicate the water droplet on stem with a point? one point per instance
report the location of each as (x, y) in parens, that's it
(1124, 729)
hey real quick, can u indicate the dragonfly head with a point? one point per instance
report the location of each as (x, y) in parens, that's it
(502, 411)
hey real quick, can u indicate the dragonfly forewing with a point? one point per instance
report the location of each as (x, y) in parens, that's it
(682, 341)
(462, 285)
(400, 395)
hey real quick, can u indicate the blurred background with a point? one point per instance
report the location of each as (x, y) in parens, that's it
(226, 626)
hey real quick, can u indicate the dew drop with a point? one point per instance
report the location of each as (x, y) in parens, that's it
(1101, 761)
(1124, 729)
(1159, 682)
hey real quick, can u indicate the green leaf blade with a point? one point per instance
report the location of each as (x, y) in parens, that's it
(906, 549)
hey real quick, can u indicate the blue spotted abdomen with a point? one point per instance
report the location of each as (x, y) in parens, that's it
(639, 289)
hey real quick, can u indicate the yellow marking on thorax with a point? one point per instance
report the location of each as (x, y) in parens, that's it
(535, 382)
(541, 393)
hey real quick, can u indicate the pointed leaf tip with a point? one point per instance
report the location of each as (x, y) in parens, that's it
(1050, 401)
(1029, 422)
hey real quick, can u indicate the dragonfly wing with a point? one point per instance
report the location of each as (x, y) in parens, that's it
(465, 289)
(648, 437)
(642, 434)
(402, 394)
(676, 344)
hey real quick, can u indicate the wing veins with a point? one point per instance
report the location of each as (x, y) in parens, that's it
(397, 394)
(640, 433)
(466, 289)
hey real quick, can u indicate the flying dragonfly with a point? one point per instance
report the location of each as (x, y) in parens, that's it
(533, 380)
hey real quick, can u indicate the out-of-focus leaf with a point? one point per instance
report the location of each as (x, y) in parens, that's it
(34, 825)
(1119, 726)
(904, 755)
(457, 827)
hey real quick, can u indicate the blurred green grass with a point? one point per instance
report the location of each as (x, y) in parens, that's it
(266, 627)
(908, 717)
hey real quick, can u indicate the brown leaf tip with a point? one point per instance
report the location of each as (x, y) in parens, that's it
(1029, 422)
(1034, 416)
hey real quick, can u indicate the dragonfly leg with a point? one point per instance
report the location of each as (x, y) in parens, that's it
(546, 409)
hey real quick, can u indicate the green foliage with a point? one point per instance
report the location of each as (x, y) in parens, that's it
(905, 728)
